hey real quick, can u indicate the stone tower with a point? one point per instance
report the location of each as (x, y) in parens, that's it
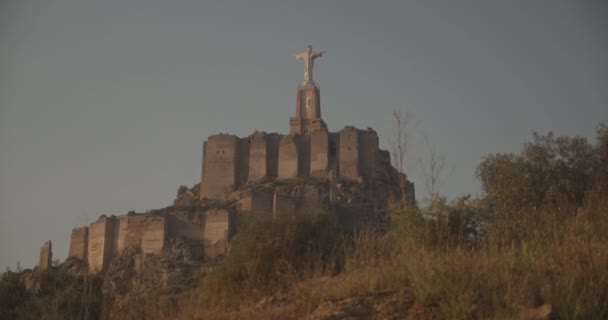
(308, 110)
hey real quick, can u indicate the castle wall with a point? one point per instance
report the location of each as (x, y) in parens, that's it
(319, 153)
(258, 156)
(202, 186)
(261, 202)
(368, 151)
(189, 228)
(78, 243)
(312, 202)
(304, 155)
(154, 234)
(244, 204)
(220, 171)
(119, 231)
(288, 157)
(242, 161)
(273, 141)
(257, 202)
(100, 243)
(283, 205)
(135, 225)
(217, 232)
(348, 154)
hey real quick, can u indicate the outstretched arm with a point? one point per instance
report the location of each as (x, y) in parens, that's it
(318, 54)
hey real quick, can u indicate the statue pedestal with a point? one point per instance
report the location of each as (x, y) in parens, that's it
(308, 110)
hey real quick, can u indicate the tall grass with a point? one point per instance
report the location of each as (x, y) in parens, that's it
(444, 261)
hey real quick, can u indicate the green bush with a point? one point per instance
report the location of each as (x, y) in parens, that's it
(267, 255)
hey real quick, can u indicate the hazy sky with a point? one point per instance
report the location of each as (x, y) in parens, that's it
(104, 105)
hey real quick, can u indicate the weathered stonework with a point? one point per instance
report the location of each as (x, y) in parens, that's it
(79, 243)
(319, 153)
(311, 170)
(283, 204)
(205, 232)
(309, 150)
(308, 111)
(46, 256)
(153, 236)
(217, 232)
(349, 164)
(100, 243)
(220, 163)
(258, 156)
(288, 157)
(369, 149)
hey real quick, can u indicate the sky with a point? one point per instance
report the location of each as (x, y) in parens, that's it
(104, 105)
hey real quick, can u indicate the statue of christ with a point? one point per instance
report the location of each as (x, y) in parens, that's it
(309, 57)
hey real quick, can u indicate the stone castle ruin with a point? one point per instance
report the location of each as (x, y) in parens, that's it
(310, 169)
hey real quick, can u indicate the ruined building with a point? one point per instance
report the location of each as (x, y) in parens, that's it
(309, 169)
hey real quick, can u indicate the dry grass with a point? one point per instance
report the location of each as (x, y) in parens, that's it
(565, 264)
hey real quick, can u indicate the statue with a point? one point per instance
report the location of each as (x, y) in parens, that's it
(309, 57)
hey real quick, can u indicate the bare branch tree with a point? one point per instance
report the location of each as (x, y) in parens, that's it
(402, 123)
(432, 171)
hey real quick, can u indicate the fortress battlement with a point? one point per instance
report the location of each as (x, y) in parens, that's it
(309, 169)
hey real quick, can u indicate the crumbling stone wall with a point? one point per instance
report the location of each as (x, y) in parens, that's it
(154, 234)
(288, 157)
(303, 155)
(119, 230)
(348, 155)
(46, 256)
(283, 204)
(273, 141)
(78, 243)
(188, 227)
(242, 161)
(100, 243)
(256, 202)
(258, 156)
(319, 153)
(368, 144)
(217, 232)
(136, 224)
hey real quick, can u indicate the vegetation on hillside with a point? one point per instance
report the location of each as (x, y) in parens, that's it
(54, 295)
(537, 236)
